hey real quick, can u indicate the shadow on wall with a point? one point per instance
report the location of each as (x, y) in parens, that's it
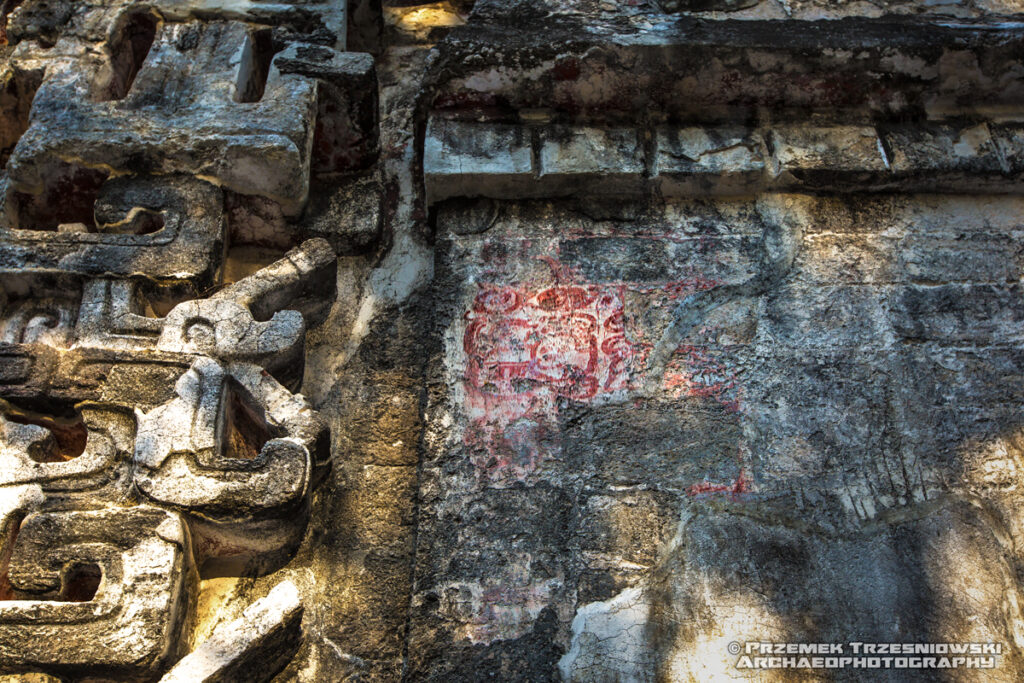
(881, 413)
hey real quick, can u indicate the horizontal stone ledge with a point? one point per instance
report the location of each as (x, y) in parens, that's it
(513, 161)
(728, 69)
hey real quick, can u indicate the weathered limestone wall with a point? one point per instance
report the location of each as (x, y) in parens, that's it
(533, 340)
(822, 449)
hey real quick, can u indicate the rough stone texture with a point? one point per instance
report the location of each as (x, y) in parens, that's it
(538, 340)
(254, 647)
(185, 245)
(498, 160)
(130, 626)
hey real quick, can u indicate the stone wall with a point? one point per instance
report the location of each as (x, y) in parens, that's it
(533, 340)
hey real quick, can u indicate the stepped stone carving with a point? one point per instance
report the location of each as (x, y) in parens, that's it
(97, 592)
(150, 436)
(231, 460)
(238, 453)
(74, 460)
(208, 99)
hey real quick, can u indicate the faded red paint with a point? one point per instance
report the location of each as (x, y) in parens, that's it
(738, 486)
(566, 339)
(566, 69)
(692, 371)
(528, 348)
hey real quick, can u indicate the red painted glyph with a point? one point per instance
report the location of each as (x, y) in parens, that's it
(525, 349)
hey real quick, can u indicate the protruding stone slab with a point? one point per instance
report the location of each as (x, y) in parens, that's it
(822, 156)
(468, 160)
(948, 157)
(253, 647)
(608, 159)
(198, 105)
(179, 221)
(324, 18)
(347, 109)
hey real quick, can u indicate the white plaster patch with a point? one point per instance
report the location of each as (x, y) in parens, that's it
(608, 640)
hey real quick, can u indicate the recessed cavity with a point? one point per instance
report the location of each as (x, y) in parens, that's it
(66, 204)
(16, 95)
(64, 423)
(129, 52)
(245, 425)
(255, 66)
(81, 582)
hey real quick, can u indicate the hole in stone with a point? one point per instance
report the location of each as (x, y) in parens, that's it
(156, 300)
(68, 204)
(63, 421)
(138, 222)
(133, 44)
(255, 66)
(65, 204)
(16, 95)
(245, 425)
(81, 582)
(6, 590)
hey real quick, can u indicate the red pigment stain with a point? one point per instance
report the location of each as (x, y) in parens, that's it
(692, 371)
(527, 348)
(737, 487)
(567, 69)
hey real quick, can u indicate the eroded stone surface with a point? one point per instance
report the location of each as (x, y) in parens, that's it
(253, 647)
(632, 330)
(137, 565)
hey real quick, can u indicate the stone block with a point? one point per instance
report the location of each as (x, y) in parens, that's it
(833, 316)
(253, 647)
(1009, 138)
(167, 228)
(473, 159)
(946, 157)
(593, 160)
(812, 156)
(961, 255)
(101, 594)
(958, 313)
(198, 104)
(238, 453)
(323, 19)
(707, 160)
(347, 118)
(347, 213)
